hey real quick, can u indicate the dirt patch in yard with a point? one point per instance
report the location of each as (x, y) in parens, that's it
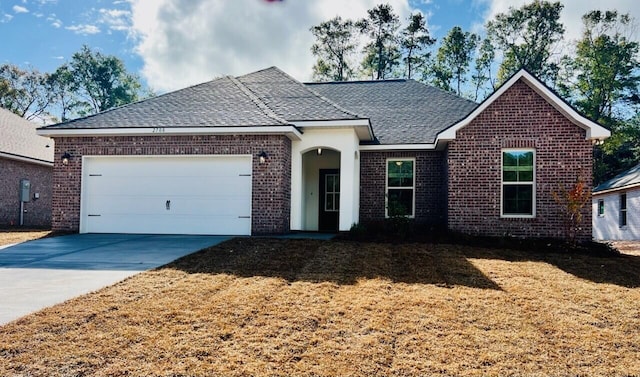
(627, 247)
(265, 307)
(11, 236)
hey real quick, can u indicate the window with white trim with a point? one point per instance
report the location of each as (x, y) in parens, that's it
(400, 187)
(518, 183)
(623, 210)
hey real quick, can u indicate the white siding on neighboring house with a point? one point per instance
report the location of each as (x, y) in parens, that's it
(608, 225)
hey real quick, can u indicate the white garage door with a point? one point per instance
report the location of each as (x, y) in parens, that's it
(167, 195)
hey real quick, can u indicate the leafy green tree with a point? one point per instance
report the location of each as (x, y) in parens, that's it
(452, 62)
(61, 86)
(602, 82)
(526, 36)
(24, 92)
(335, 43)
(415, 40)
(619, 152)
(606, 65)
(102, 81)
(382, 53)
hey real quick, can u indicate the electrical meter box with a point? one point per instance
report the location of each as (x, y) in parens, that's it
(25, 190)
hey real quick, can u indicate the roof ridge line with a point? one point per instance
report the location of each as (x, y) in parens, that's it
(256, 100)
(323, 98)
(332, 103)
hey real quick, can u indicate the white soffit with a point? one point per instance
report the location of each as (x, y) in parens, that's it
(362, 127)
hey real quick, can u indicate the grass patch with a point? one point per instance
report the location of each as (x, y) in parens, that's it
(10, 236)
(267, 307)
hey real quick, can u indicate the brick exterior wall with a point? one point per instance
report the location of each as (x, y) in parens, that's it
(271, 190)
(520, 118)
(37, 212)
(430, 185)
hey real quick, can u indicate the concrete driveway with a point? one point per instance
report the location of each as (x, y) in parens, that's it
(37, 274)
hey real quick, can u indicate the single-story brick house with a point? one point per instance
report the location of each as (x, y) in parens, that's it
(263, 153)
(25, 159)
(614, 206)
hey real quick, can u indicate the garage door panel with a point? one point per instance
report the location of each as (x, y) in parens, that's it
(159, 225)
(165, 185)
(157, 205)
(206, 195)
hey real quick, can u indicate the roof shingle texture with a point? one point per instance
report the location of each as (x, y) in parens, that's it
(291, 99)
(217, 103)
(18, 137)
(401, 111)
(626, 178)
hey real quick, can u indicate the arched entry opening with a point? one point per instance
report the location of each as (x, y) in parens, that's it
(321, 189)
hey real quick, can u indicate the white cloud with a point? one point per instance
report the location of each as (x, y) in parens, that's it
(5, 18)
(116, 19)
(84, 29)
(55, 21)
(20, 9)
(183, 42)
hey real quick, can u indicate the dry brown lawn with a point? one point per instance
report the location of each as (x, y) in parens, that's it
(11, 236)
(266, 307)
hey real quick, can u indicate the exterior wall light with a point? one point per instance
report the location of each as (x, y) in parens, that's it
(65, 158)
(262, 157)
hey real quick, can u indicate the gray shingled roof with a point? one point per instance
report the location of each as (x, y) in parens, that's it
(624, 179)
(18, 138)
(401, 111)
(222, 102)
(264, 98)
(290, 98)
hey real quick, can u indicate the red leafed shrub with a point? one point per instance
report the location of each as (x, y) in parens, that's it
(572, 200)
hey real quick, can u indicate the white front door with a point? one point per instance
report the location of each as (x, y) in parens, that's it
(166, 195)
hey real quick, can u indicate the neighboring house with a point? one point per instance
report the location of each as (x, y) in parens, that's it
(615, 205)
(263, 153)
(26, 157)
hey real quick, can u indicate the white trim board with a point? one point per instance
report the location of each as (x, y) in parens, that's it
(10, 156)
(290, 131)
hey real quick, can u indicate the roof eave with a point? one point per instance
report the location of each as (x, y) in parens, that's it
(362, 126)
(288, 130)
(399, 147)
(614, 189)
(30, 160)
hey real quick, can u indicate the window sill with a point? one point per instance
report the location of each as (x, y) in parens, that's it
(517, 217)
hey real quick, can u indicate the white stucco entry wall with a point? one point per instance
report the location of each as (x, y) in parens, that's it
(343, 140)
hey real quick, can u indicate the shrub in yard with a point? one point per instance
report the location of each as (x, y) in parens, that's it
(358, 231)
(572, 201)
(398, 223)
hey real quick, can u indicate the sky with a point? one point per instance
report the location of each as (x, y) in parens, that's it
(171, 44)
